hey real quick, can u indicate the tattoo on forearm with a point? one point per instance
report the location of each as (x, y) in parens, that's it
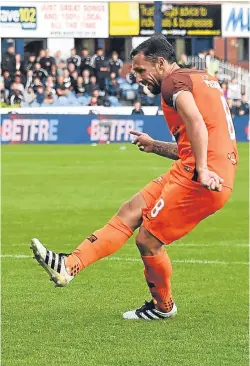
(166, 149)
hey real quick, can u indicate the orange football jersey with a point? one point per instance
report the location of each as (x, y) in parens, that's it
(222, 150)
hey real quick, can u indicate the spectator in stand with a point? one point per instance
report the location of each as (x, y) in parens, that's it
(71, 67)
(93, 101)
(231, 107)
(22, 76)
(2, 93)
(219, 77)
(100, 64)
(52, 91)
(40, 95)
(224, 89)
(42, 54)
(1, 77)
(102, 100)
(61, 88)
(137, 108)
(245, 104)
(114, 88)
(7, 79)
(202, 55)
(115, 64)
(66, 79)
(19, 63)
(48, 98)
(61, 67)
(47, 61)
(202, 60)
(39, 72)
(30, 65)
(86, 77)
(29, 79)
(37, 82)
(212, 64)
(19, 85)
(74, 59)
(239, 110)
(210, 57)
(183, 62)
(54, 72)
(50, 84)
(79, 87)
(92, 86)
(29, 95)
(234, 90)
(85, 61)
(108, 81)
(15, 96)
(9, 60)
(74, 76)
(58, 57)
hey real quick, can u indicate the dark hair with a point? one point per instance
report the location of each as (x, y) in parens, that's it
(154, 47)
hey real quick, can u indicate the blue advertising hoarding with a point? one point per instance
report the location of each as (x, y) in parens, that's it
(85, 129)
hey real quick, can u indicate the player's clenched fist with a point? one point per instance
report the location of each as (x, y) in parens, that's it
(210, 180)
(143, 141)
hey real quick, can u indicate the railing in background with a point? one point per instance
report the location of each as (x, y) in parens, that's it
(226, 71)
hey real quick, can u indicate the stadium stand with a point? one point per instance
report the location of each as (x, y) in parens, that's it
(84, 80)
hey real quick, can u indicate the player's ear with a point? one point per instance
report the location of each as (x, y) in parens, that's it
(160, 64)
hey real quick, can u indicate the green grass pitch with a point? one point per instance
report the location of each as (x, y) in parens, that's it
(61, 194)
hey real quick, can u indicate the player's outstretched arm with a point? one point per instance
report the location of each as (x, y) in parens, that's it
(166, 149)
(145, 143)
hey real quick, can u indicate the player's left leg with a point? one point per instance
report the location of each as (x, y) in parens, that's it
(158, 271)
(175, 213)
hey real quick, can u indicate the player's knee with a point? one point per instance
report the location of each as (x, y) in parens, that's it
(131, 212)
(147, 243)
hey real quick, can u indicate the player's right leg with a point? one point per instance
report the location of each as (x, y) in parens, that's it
(62, 268)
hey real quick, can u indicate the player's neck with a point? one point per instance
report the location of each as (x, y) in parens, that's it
(171, 69)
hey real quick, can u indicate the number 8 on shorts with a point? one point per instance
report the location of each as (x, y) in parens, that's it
(157, 208)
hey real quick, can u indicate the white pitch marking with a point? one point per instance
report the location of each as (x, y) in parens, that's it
(191, 245)
(15, 256)
(128, 259)
(189, 261)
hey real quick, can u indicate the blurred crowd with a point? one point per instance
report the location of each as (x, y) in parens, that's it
(85, 80)
(80, 80)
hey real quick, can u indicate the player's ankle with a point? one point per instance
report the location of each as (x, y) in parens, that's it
(161, 309)
(73, 265)
(165, 307)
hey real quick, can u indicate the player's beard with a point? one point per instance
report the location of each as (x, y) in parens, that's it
(156, 89)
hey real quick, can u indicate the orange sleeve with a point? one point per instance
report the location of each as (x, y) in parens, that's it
(173, 84)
